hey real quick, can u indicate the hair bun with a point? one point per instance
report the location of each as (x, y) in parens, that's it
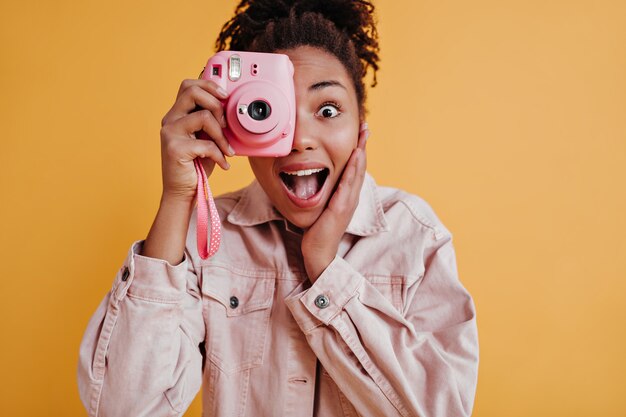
(348, 15)
(355, 18)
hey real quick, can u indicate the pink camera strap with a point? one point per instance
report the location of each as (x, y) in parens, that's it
(203, 197)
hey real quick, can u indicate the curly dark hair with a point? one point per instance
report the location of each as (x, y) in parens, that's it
(344, 28)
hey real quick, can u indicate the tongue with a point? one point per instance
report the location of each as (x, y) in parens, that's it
(305, 186)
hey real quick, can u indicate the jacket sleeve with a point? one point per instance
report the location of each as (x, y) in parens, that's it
(422, 361)
(140, 354)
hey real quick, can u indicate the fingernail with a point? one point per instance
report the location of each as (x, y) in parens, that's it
(231, 151)
(227, 165)
(363, 126)
(367, 135)
(222, 92)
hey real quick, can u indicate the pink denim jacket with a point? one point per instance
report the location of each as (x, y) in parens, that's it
(386, 330)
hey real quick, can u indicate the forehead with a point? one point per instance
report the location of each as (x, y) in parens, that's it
(313, 65)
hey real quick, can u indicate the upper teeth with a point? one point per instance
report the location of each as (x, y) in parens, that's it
(304, 172)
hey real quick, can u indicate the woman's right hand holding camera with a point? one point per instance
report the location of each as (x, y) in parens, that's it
(197, 109)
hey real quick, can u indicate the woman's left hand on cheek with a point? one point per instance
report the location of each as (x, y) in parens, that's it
(321, 241)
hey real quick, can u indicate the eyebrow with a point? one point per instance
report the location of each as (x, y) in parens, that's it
(324, 84)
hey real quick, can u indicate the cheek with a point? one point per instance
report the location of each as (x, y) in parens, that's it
(261, 167)
(341, 142)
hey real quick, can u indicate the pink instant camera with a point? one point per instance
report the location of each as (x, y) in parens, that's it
(260, 109)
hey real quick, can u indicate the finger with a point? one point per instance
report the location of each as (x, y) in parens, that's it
(195, 98)
(362, 160)
(340, 201)
(362, 142)
(185, 150)
(350, 191)
(207, 151)
(208, 164)
(203, 120)
(207, 85)
(351, 169)
(360, 170)
(364, 134)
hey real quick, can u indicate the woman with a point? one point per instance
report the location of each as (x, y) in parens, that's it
(329, 296)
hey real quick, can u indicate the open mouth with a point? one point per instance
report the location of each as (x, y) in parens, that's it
(304, 183)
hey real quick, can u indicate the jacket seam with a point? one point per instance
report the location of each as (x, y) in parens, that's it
(379, 380)
(100, 356)
(154, 299)
(263, 273)
(417, 216)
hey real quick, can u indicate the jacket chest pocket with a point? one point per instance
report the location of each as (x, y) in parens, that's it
(391, 287)
(236, 312)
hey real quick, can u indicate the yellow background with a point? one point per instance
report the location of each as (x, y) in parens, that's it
(508, 117)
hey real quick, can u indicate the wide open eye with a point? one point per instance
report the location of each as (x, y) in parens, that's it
(328, 110)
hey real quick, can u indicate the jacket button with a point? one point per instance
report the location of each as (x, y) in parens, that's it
(322, 301)
(125, 274)
(234, 302)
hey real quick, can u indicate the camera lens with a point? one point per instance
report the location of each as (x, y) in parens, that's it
(259, 110)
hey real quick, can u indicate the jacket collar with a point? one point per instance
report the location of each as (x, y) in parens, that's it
(254, 208)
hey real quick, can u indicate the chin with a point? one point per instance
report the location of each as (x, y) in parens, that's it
(302, 220)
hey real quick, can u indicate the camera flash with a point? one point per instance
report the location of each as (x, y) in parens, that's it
(234, 67)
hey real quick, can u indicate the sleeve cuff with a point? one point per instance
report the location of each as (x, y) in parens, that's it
(326, 297)
(150, 278)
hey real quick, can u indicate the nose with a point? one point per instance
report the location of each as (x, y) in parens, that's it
(305, 137)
